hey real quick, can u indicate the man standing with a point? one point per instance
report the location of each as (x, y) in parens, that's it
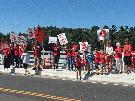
(127, 56)
(56, 55)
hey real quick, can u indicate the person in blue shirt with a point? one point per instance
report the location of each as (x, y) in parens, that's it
(90, 57)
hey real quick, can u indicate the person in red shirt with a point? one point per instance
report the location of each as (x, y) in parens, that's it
(102, 61)
(35, 56)
(69, 56)
(20, 54)
(96, 60)
(7, 57)
(16, 53)
(56, 55)
(84, 61)
(73, 52)
(78, 65)
(118, 58)
(127, 56)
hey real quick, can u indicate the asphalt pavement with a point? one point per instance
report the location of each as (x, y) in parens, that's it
(27, 88)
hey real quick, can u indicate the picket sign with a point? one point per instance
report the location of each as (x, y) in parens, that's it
(103, 34)
(52, 39)
(62, 39)
(83, 46)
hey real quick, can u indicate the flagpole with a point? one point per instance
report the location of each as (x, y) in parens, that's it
(43, 55)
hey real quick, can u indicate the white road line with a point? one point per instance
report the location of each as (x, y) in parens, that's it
(104, 83)
(125, 85)
(84, 81)
(93, 82)
(116, 84)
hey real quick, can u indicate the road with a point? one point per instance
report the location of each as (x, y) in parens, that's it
(27, 88)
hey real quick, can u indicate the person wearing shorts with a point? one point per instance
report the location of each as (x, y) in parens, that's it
(90, 57)
(25, 57)
(78, 65)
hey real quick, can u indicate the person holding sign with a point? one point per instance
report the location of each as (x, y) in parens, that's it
(56, 55)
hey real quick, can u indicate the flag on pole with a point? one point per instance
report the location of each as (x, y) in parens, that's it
(62, 38)
(103, 34)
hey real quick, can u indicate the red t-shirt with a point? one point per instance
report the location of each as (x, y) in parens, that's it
(16, 51)
(75, 46)
(96, 57)
(20, 51)
(56, 51)
(78, 61)
(73, 53)
(68, 53)
(118, 52)
(127, 50)
(7, 51)
(102, 58)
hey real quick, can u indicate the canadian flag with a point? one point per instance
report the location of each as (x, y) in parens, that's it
(103, 34)
(30, 33)
(13, 37)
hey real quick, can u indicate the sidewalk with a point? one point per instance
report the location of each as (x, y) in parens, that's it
(63, 73)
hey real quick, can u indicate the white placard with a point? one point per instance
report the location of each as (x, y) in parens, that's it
(83, 46)
(13, 37)
(52, 39)
(62, 38)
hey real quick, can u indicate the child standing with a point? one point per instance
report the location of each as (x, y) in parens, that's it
(25, 57)
(84, 61)
(102, 61)
(90, 57)
(97, 60)
(78, 65)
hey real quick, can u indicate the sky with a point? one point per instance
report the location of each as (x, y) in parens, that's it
(18, 15)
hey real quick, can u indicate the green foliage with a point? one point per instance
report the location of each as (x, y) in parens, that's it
(86, 34)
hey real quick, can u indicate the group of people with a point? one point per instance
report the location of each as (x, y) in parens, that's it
(88, 60)
(102, 61)
(18, 56)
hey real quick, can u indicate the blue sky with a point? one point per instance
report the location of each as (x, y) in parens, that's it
(17, 15)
